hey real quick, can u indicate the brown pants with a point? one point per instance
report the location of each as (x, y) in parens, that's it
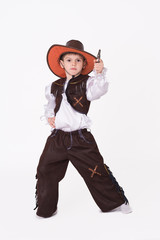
(81, 149)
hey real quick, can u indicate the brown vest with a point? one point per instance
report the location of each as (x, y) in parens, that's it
(75, 92)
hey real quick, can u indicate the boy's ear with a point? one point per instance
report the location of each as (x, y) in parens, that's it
(84, 64)
(61, 64)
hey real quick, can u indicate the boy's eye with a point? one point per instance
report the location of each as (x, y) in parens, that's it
(77, 60)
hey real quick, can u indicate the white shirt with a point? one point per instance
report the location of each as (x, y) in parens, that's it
(68, 119)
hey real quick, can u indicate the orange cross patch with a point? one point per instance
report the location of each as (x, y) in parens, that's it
(94, 171)
(78, 101)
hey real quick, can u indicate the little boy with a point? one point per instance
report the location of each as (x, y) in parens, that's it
(68, 103)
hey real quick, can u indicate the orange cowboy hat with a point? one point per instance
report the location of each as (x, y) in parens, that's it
(72, 46)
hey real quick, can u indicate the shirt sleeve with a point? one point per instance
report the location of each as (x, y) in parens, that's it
(97, 85)
(49, 107)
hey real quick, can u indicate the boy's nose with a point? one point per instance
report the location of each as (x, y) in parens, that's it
(73, 63)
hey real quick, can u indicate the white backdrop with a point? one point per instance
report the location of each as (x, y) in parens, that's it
(125, 121)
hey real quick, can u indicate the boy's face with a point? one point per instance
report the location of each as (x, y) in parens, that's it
(73, 64)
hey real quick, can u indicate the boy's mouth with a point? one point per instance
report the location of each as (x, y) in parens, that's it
(73, 69)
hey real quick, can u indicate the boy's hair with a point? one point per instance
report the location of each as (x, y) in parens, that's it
(65, 53)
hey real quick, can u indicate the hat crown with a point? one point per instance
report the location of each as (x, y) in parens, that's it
(75, 44)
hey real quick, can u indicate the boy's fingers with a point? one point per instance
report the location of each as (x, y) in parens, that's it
(98, 60)
(52, 125)
(51, 119)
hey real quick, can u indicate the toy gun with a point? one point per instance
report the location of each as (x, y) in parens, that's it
(98, 56)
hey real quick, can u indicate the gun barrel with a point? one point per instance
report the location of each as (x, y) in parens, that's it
(99, 55)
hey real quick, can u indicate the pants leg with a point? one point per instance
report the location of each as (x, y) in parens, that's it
(103, 187)
(50, 171)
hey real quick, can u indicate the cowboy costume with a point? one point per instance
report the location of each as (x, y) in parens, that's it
(69, 102)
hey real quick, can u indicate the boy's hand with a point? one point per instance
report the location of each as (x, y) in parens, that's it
(98, 66)
(51, 121)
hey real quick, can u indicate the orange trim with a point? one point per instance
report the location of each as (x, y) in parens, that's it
(59, 84)
(106, 169)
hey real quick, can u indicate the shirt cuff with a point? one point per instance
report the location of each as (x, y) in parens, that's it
(101, 75)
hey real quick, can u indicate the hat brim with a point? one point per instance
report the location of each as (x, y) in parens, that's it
(56, 51)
